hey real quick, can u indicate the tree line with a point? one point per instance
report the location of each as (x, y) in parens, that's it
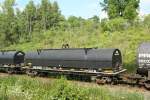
(16, 24)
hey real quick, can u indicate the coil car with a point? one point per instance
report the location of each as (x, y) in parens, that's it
(11, 60)
(88, 58)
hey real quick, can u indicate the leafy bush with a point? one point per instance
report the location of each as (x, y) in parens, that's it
(147, 22)
(117, 24)
(66, 91)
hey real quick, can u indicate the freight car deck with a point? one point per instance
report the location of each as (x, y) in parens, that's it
(49, 70)
(78, 72)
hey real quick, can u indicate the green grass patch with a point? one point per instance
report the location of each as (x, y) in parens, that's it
(25, 88)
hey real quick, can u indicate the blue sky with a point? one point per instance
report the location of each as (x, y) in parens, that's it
(84, 8)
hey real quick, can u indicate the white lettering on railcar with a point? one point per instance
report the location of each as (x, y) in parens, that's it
(144, 55)
(144, 61)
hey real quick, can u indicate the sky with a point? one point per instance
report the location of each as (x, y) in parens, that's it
(83, 8)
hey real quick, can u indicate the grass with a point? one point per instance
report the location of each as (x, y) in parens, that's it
(25, 88)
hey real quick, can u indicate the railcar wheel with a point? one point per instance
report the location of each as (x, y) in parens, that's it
(28, 72)
(10, 71)
(147, 85)
(93, 79)
(32, 73)
(114, 81)
(100, 81)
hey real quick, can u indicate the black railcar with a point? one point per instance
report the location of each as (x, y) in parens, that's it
(11, 61)
(86, 58)
(11, 57)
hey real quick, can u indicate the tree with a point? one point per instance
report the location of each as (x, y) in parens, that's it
(21, 24)
(121, 8)
(2, 35)
(30, 12)
(44, 13)
(8, 25)
(50, 14)
(147, 22)
(130, 11)
(16, 23)
(95, 19)
(104, 5)
(74, 21)
(56, 15)
(93, 22)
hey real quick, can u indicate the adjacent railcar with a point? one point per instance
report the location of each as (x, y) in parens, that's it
(82, 58)
(143, 59)
(11, 57)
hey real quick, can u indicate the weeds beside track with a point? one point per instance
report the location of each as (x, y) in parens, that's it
(27, 88)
